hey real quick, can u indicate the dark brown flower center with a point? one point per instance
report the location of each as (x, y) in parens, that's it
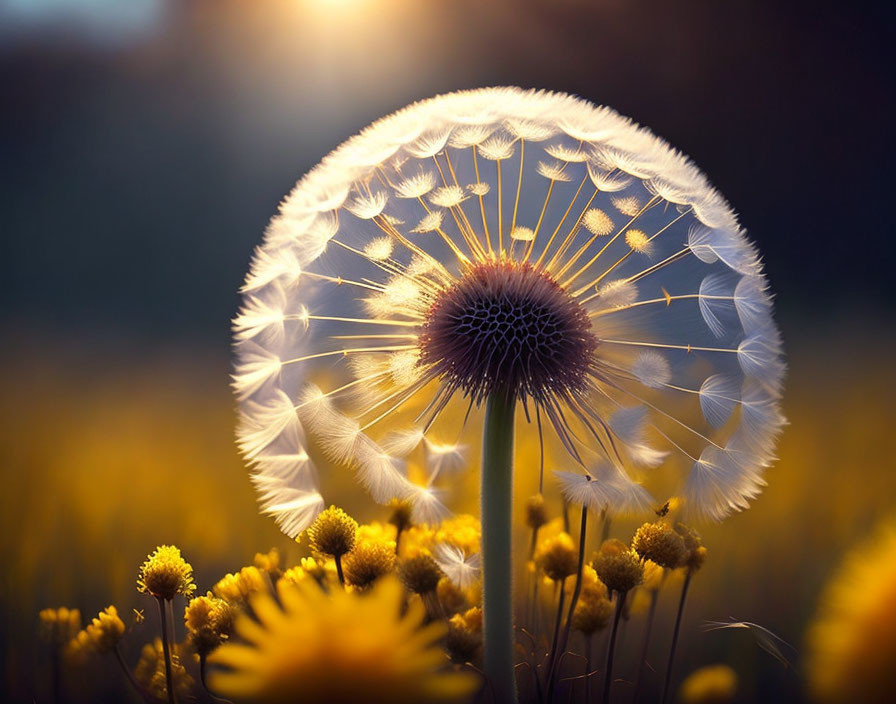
(509, 327)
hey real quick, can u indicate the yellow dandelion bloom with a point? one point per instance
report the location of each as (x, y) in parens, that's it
(338, 647)
(165, 574)
(852, 640)
(713, 684)
(236, 588)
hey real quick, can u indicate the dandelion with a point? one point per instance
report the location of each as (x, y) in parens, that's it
(341, 647)
(484, 323)
(851, 641)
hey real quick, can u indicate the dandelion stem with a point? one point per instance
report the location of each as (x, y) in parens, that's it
(338, 560)
(611, 646)
(577, 590)
(684, 595)
(555, 640)
(497, 494)
(642, 661)
(169, 678)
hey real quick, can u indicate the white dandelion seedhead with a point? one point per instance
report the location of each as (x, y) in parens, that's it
(521, 242)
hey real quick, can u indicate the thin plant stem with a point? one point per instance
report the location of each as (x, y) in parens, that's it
(556, 638)
(608, 670)
(169, 678)
(577, 590)
(338, 560)
(497, 569)
(56, 677)
(684, 596)
(147, 697)
(642, 662)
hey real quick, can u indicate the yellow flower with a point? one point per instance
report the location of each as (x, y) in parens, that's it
(713, 684)
(59, 626)
(463, 531)
(209, 621)
(557, 557)
(368, 562)
(236, 588)
(333, 532)
(150, 672)
(268, 562)
(105, 630)
(661, 543)
(378, 532)
(852, 640)
(618, 566)
(338, 647)
(165, 574)
(418, 540)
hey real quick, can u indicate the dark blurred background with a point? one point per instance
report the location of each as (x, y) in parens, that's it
(144, 145)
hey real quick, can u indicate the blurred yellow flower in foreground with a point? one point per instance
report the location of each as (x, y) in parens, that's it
(713, 684)
(102, 634)
(852, 641)
(337, 647)
(59, 626)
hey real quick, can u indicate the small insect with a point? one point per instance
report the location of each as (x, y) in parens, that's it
(663, 510)
(139, 616)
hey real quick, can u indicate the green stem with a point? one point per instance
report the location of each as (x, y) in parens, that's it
(338, 560)
(497, 574)
(169, 678)
(684, 596)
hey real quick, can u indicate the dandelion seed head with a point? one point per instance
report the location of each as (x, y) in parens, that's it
(509, 328)
(428, 263)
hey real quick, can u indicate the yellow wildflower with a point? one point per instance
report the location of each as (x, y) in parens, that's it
(368, 562)
(59, 626)
(236, 588)
(713, 684)
(618, 567)
(463, 531)
(165, 574)
(337, 647)
(852, 639)
(661, 543)
(333, 532)
(378, 532)
(558, 557)
(209, 621)
(268, 562)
